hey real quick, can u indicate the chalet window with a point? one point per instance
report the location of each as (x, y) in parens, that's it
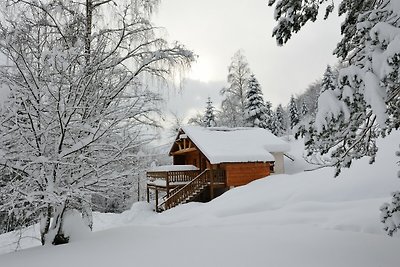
(271, 166)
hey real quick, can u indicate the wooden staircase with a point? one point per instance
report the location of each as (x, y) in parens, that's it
(191, 190)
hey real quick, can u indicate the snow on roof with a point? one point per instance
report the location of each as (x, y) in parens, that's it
(171, 168)
(242, 144)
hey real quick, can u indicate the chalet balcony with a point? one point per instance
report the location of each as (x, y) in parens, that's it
(180, 183)
(170, 176)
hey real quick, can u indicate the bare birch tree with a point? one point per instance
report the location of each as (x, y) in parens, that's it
(78, 103)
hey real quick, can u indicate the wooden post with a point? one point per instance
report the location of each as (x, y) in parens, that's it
(156, 199)
(148, 194)
(211, 174)
(167, 182)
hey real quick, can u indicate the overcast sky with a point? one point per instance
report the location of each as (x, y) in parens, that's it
(216, 29)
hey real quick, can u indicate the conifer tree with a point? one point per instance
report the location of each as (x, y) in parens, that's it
(280, 121)
(293, 112)
(209, 117)
(270, 116)
(255, 110)
(365, 103)
(274, 125)
(328, 80)
(390, 211)
(304, 109)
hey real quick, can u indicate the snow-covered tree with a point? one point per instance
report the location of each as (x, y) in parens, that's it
(367, 99)
(365, 103)
(197, 119)
(390, 212)
(255, 109)
(293, 112)
(329, 81)
(78, 107)
(310, 97)
(209, 117)
(233, 104)
(280, 121)
(269, 114)
(304, 109)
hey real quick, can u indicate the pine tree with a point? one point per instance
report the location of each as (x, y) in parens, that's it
(304, 109)
(270, 116)
(365, 103)
(293, 112)
(280, 121)
(391, 211)
(255, 110)
(209, 117)
(329, 81)
(275, 125)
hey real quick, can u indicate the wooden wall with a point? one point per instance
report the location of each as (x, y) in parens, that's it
(195, 158)
(237, 173)
(192, 158)
(243, 173)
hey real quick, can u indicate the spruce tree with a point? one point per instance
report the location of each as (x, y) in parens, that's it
(280, 121)
(255, 110)
(390, 211)
(365, 103)
(304, 109)
(209, 117)
(270, 116)
(328, 80)
(274, 125)
(293, 112)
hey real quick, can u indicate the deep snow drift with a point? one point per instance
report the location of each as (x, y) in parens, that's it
(305, 219)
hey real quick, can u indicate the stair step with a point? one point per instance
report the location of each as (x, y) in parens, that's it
(190, 194)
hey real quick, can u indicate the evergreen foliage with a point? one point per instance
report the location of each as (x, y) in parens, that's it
(280, 121)
(363, 103)
(304, 109)
(390, 212)
(209, 117)
(329, 81)
(293, 112)
(255, 109)
(270, 116)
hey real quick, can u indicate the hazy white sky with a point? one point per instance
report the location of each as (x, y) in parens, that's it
(216, 29)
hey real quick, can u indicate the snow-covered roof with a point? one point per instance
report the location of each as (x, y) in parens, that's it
(171, 168)
(220, 144)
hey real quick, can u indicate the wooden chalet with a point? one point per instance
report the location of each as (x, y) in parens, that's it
(209, 161)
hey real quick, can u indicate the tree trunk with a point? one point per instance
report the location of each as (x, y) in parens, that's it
(88, 34)
(45, 228)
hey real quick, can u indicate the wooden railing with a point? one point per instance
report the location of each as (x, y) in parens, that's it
(193, 188)
(173, 176)
(185, 192)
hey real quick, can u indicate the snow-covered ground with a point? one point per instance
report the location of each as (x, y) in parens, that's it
(303, 219)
